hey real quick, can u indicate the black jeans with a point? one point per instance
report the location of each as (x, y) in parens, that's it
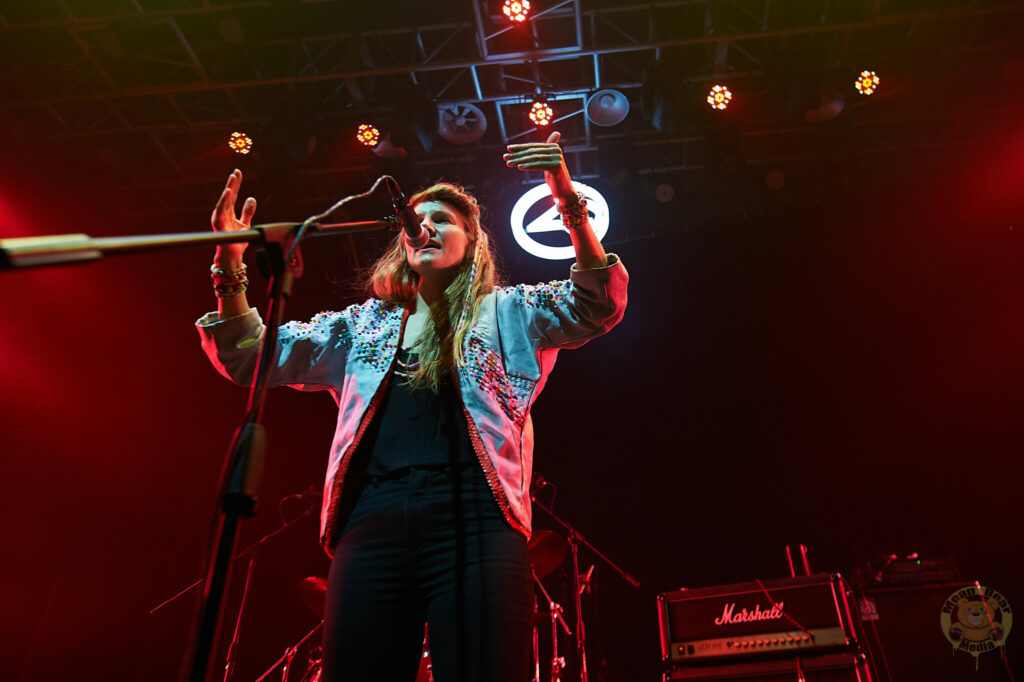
(428, 546)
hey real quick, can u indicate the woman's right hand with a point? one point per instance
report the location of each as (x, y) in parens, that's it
(224, 220)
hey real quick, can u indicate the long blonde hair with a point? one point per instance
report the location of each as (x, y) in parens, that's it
(393, 280)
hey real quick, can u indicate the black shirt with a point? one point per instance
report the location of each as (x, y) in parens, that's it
(416, 427)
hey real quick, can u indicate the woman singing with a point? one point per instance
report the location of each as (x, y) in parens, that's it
(426, 507)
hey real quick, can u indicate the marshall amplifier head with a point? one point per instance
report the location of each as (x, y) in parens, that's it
(760, 619)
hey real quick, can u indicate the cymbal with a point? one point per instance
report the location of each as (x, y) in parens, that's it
(547, 549)
(313, 592)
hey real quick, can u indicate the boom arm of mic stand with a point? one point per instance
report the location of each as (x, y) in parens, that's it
(63, 249)
(579, 538)
(237, 556)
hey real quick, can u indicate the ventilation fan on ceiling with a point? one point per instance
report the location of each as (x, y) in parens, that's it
(461, 123)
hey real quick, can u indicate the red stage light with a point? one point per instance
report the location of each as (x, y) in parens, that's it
(368, 135)
(516, 10)
(719, 97)
(867, 82)
(541, 113)
(240, 142)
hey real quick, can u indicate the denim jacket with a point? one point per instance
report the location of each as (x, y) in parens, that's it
(509, 352)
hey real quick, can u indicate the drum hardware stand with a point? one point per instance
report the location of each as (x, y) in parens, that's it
(555, 611)
(575, 539)
(289, 656)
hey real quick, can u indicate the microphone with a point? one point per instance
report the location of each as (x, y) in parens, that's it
(415, 234)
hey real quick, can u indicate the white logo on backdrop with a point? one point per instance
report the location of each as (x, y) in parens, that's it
(550, 221)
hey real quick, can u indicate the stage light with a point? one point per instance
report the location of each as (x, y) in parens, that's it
(240, 142)
(368, 135)
(516, 11)
(719, 97)
(541, 113)
(867, 82)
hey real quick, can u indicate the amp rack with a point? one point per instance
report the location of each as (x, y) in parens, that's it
(800, 616)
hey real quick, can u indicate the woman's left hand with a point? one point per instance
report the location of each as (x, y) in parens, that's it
(545, 156)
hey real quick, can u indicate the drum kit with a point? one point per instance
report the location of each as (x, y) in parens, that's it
(547, 550)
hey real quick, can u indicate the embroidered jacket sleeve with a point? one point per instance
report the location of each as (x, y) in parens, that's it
(567, 313)
(311, 355)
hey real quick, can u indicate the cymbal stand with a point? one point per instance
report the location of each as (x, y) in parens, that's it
(555, 609)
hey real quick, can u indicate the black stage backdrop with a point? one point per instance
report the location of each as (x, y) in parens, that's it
(834, 366)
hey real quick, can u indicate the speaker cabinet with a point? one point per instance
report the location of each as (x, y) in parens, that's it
(904, 639)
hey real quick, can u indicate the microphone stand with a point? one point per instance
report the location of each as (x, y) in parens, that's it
(243, 466)
(229, 664)
(250, 549)
(575, 539)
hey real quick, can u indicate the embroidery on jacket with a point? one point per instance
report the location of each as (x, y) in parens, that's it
(542, 294)
(375, 327)
(511, 393)
(318, 329)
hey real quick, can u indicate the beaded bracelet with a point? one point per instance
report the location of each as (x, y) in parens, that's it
(230, 290)
(229, 283)
(219, 274)
(574, 215)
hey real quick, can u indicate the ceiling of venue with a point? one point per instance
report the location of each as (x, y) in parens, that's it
(142, 95)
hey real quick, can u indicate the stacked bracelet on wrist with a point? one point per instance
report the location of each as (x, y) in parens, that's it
(574, 215)
(228, 283)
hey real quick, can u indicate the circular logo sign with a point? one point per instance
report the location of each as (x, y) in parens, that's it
(976, 619)
(538, 229)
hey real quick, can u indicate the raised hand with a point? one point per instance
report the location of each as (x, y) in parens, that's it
(546, 156)
(223, 219)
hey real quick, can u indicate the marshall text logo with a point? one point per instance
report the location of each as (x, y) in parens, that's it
(729, 615)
